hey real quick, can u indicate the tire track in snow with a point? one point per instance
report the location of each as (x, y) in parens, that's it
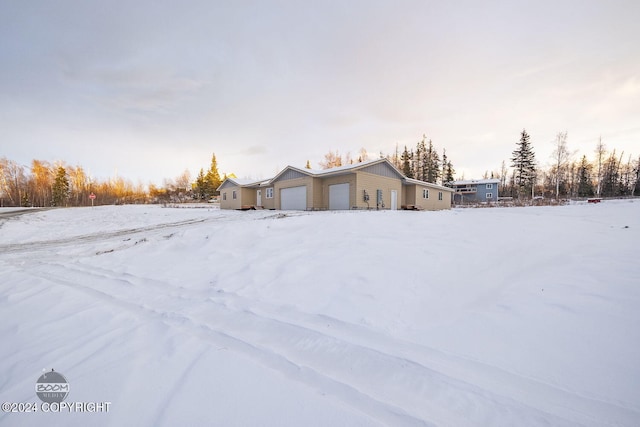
(362, 373)
(342, 392)
(528, 392)
(79, 240)
(93, 237)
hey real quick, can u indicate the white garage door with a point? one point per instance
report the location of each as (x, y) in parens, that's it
(293, 199)
(339, 197)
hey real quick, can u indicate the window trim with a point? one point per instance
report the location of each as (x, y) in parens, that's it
(234, 195)
(425, 193)
(269, 193)
(489, 196)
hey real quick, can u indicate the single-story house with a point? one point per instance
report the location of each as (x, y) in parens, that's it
(476, 191)
(245, 194)
(375, 184)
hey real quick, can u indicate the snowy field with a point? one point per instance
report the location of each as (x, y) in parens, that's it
(471, 317)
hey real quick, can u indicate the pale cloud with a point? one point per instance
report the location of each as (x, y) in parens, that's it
(629, 88)
(254, 150)
(159, 96)
(265, 84)
(133, 87)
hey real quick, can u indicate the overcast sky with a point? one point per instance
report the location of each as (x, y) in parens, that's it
(151, 88)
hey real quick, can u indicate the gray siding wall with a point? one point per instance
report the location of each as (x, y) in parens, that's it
(382, 169)
(291, 174)
(483, 191)
(480, 195)
(227, 184)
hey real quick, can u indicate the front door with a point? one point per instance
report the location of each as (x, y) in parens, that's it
(394, 200)
(259, 198)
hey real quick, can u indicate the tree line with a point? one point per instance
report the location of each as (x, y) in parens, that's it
(44, 184)
(183, 189)
(423, 163)
(608, 174)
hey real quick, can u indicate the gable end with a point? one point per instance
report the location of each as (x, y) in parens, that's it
(290, 174)
(227, 184)
(382, 169)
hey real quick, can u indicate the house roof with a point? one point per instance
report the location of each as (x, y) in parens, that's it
(238, 182)
(427, 184)
(332, 171)
(477, 181)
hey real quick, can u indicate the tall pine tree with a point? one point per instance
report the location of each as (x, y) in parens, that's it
(447, 171)
(585, 183)
(420, 157)
(60, 189)
(212, 178)
(432, 164)
(524, 164)
(406, 159)
(611, 176)
(200, 189)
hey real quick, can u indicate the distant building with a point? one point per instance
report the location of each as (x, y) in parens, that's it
(475, 191)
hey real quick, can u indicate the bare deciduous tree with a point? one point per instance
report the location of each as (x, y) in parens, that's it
(42, 181)
(331, 160)
(13, 182)
(601, 150)
(561, 157)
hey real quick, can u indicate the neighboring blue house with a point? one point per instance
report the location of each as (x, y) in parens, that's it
(475, 191)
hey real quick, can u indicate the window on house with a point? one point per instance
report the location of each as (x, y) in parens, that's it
(224, 196)
(439, 195)
(235, 195)
(489, 186)
(489, 195)
(425, 193)
(269, 193)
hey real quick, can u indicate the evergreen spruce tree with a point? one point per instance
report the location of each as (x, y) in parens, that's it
(524, 164)
(432, 164)
(447, 171)
(406, 158)
(585, 183)
(444, 165)
(635, 190)
(450, 175)
(610, 176)
(200, 189)
(60, 190)
(212, 178)
(421, 160)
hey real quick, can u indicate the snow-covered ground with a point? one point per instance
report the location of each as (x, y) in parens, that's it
(512, 316)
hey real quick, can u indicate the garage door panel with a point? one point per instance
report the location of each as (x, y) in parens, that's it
(339, 196)
(293, 198)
